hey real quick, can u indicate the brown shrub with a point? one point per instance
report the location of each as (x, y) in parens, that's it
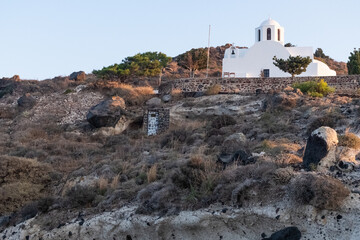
(81, 195)
(174, 138)
(322, 192)
(7, 112)
(349, 140)
(223, 121)
(213, 90)
(152, 174)
(328, 120)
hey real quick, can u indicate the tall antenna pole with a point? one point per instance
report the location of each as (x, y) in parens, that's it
(208, 55)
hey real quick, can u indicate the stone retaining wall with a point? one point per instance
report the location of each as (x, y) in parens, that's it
(347, 84)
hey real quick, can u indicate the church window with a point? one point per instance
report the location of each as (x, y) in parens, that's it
(279, 35)
(259, 35)
(266, 73)
(233, 52)
(268, 34)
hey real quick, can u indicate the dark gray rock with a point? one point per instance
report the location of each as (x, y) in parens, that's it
(166, 98)
(320, 148)
(239, 157)
(78, 76)
(107, 113)
(153, 102)
(26, 101)
(289, 233)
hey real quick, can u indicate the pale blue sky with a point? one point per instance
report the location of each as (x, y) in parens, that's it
(46, 38)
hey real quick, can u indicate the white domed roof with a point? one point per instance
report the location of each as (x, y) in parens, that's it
(269, 22)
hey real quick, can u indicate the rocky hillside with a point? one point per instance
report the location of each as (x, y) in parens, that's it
(75, 163)
(339, 67)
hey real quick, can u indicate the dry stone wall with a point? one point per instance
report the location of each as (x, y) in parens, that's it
(342, 84)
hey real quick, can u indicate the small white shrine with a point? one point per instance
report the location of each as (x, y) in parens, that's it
(257, 61)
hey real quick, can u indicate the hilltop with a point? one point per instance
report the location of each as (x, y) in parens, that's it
(174, 71)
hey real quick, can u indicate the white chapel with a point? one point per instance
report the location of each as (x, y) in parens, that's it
(258, 60)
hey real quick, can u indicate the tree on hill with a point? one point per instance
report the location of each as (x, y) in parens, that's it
(293, 65)
(354, 62)
(320, 54)
(149, 64)
(289, 45)
(193, 60)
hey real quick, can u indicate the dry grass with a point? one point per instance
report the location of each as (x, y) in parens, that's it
(152, 174)
(176, 92)
(322, 192)
(349, 140)
(223, 121)
(213, 90)
(115, 182)
(103, 184)
(131, 94)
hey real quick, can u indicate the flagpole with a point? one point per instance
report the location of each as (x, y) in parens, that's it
(208, 54)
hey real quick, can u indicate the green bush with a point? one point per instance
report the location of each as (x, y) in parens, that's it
(67, 91)
(349, 140)
(315, 88)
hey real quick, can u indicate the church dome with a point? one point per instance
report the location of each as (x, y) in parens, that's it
(269, 30)
(270, 22)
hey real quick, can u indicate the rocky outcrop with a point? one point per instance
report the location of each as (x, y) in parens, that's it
(218, 222)
(215, 105)
(107, 113)
(26, 101)
(289, 233)
(320, 149)
(153, 102)
(78, 76)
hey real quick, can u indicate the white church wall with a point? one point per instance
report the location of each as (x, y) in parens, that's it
(301, 51)
(250, 62)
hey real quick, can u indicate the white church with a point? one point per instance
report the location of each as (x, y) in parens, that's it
(257, 61)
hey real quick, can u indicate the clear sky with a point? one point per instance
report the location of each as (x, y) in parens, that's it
(46, 38)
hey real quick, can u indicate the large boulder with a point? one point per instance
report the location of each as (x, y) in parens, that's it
(107, 113)
(153, 102)
(320, 149)
(289, 233)
(78, 76)
(26, 101)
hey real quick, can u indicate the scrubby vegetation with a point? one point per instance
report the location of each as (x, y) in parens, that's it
(315, 88)
(231, 150)
(349, 140)
(213, 90)
(320, 192)
(147, 64)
